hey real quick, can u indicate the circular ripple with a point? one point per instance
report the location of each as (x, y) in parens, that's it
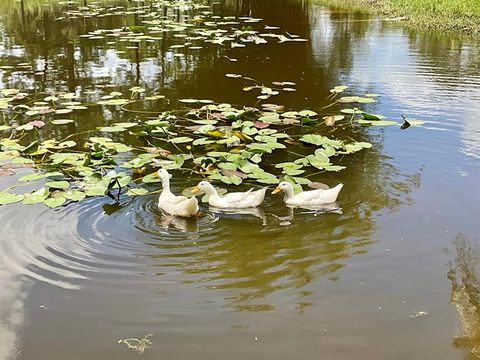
(67, 244)
(133, 241)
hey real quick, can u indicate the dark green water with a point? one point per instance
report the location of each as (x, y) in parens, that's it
(393, 276)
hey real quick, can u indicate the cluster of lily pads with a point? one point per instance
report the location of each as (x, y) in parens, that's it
(197, 26)
(222, 142)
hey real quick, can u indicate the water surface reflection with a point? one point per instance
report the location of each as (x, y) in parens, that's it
(122, 270)
(465, 281)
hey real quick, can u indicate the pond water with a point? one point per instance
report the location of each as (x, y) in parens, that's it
(392, 275)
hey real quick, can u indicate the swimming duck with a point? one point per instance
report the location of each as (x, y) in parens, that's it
(235, 200)
(307, 198)
(173, 204)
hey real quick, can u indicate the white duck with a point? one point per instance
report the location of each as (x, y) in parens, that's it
(307, 198)
(173, 204)
(235, 200)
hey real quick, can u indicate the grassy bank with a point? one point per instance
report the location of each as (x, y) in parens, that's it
(460, 15)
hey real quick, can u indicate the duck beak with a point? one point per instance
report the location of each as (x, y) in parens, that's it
(155, 174)
(277, 190)
(195, 190)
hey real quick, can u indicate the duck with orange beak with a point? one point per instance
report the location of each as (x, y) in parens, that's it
(310, 198)
(172, 204)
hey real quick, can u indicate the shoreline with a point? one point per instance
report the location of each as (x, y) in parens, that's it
(461, 16)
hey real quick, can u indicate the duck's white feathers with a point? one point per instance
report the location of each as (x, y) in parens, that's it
(176, 205)
(237, 200)
(314, 197)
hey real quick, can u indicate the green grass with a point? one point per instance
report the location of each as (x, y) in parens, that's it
(462, 15)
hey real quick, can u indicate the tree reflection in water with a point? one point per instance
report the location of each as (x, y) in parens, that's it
(464, 277)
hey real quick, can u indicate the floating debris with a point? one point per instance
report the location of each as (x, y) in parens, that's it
(139, 345)
(418, 314)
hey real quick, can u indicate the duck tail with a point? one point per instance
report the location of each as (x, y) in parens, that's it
(190, 208)
(193, 206)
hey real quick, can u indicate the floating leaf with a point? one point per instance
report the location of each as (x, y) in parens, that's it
(136, 192)
(267, 147)
(54, 202)
(62, 121)
(339, 89)
(126, 125)
(151, 178)
(9, 198)
(37, 123)
(114, 102)
(181, 140)
(74, 195)
(202, 141)
(270, 118)
(63, 111)
(335, 168)
(377, 122)
(67, 144)
(112, 129)
(32, 177)
(189, 101)
(137, 89)
(356, 146)
(63, 185)
(26, 127)
(321, 140)
(368, 116)
(307, 113)
(36, 197)
(355, 99)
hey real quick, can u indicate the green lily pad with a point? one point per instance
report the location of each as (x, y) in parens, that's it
(36, 197)
(181, 140)
(112, 129)
(136, 192)
(32, 177)
(307, 113)
(9, 198)
(377, 122)
(54, 202)
(62, 185)
(151, 178)
(74, 195)
(367, 116)
(62, 121)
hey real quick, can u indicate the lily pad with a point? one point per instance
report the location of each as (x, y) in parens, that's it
(36, 197)
(63, 185)
(54, 202)
(136, 192)
(62, 121)
(9, 198)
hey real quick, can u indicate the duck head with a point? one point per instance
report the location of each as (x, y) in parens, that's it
(283, 186)
(163, 174)
(202, 187)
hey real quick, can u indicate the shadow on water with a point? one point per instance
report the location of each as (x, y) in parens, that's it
(465, 281)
